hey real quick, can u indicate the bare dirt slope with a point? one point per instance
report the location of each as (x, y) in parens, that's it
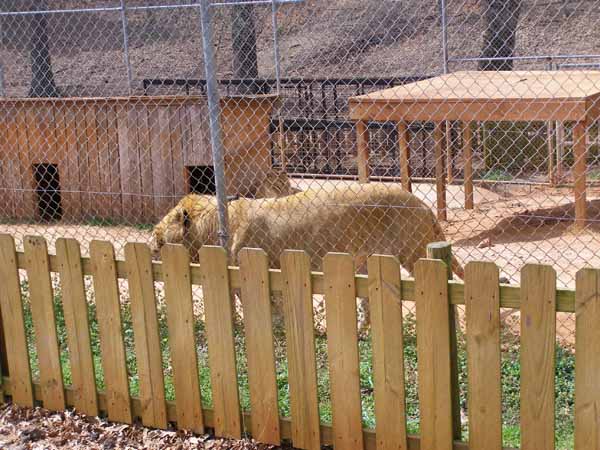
(336, 38)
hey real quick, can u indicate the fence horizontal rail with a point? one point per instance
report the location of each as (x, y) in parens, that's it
(509, 294)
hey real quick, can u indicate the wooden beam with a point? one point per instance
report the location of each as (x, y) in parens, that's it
(404, 154)
(449, 155)
(579, 168)
(468, 169)
(440, 183)
(362, 147)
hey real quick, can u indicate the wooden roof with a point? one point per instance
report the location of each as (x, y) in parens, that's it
(470, 95)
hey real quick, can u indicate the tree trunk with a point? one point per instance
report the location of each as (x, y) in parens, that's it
(42, 76)
(243, 41)
(502, 17)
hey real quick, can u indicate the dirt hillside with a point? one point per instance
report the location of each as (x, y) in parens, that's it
(335, 38)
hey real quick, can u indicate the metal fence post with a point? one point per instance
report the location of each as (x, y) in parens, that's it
(214, 111)
(126, 45)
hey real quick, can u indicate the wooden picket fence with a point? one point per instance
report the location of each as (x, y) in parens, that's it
(537, 298)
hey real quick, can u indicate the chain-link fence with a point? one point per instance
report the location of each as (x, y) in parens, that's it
(105, 125)
(104, 130)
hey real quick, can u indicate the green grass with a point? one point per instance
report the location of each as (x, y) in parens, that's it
(510, 369)
(496, 175)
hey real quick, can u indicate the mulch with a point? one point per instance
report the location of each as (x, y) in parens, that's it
(37, 428)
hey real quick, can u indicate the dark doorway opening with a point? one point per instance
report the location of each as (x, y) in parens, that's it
(47, 188)
(201, 180)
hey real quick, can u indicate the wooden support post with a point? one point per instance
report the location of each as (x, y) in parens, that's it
(560, 149)
(468, 160)
(362, 147)
(579, 168)
(404, 153)
(443, 251)
(449, 156)
(550, 139)
(440, 179)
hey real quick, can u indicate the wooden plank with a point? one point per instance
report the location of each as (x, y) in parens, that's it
(176, 152)
(587, 336)
(342, 347)
(440, 180)
(482, 297)
(93, 163)
(404, 152)
(433, 354)
(579, 172)
(538, 341)
(256, 303)
(218, 308)
(158, 170)
(449, 156)
(468, 161)
(7, 175)
(134, 175)
(42, 312)
(184, 359)
(82, 152)
(201, 149)
(71, 164)
(385, 303)
(11, 308)
(443, 252)
(115, 190)
(104, 169)
(145, 162)
(108, 312)
(14, 178)
(138, 258)
(179, 162)
(166, 137)
(362, 151)
(29, 205)
(124, 162)
(75, 307)
(302, 370)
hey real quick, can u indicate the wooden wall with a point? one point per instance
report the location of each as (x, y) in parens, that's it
(124, 159)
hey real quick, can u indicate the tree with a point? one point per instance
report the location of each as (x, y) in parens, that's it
(29, 33)
(243, 42)
(499, 39)
(42, 76)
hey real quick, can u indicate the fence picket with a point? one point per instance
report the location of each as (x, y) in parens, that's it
(44, 322)
(75, 308)
(587, 365)
(182, 342)
(342, 347)
(433, 354)
(538, 339)
(218, 308)
(302, 369)
(256, 303)
(388, 352)
(147, 340)
(482, 297)
(11, 307)
(108, 312)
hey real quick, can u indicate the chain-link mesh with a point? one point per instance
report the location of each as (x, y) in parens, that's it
(104, 128)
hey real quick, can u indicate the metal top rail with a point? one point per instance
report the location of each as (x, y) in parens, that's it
(119, 8)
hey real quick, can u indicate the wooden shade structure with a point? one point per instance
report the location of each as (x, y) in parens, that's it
(564, 96)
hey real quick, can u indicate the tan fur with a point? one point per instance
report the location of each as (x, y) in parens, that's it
(275, 183)
(373, 218)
